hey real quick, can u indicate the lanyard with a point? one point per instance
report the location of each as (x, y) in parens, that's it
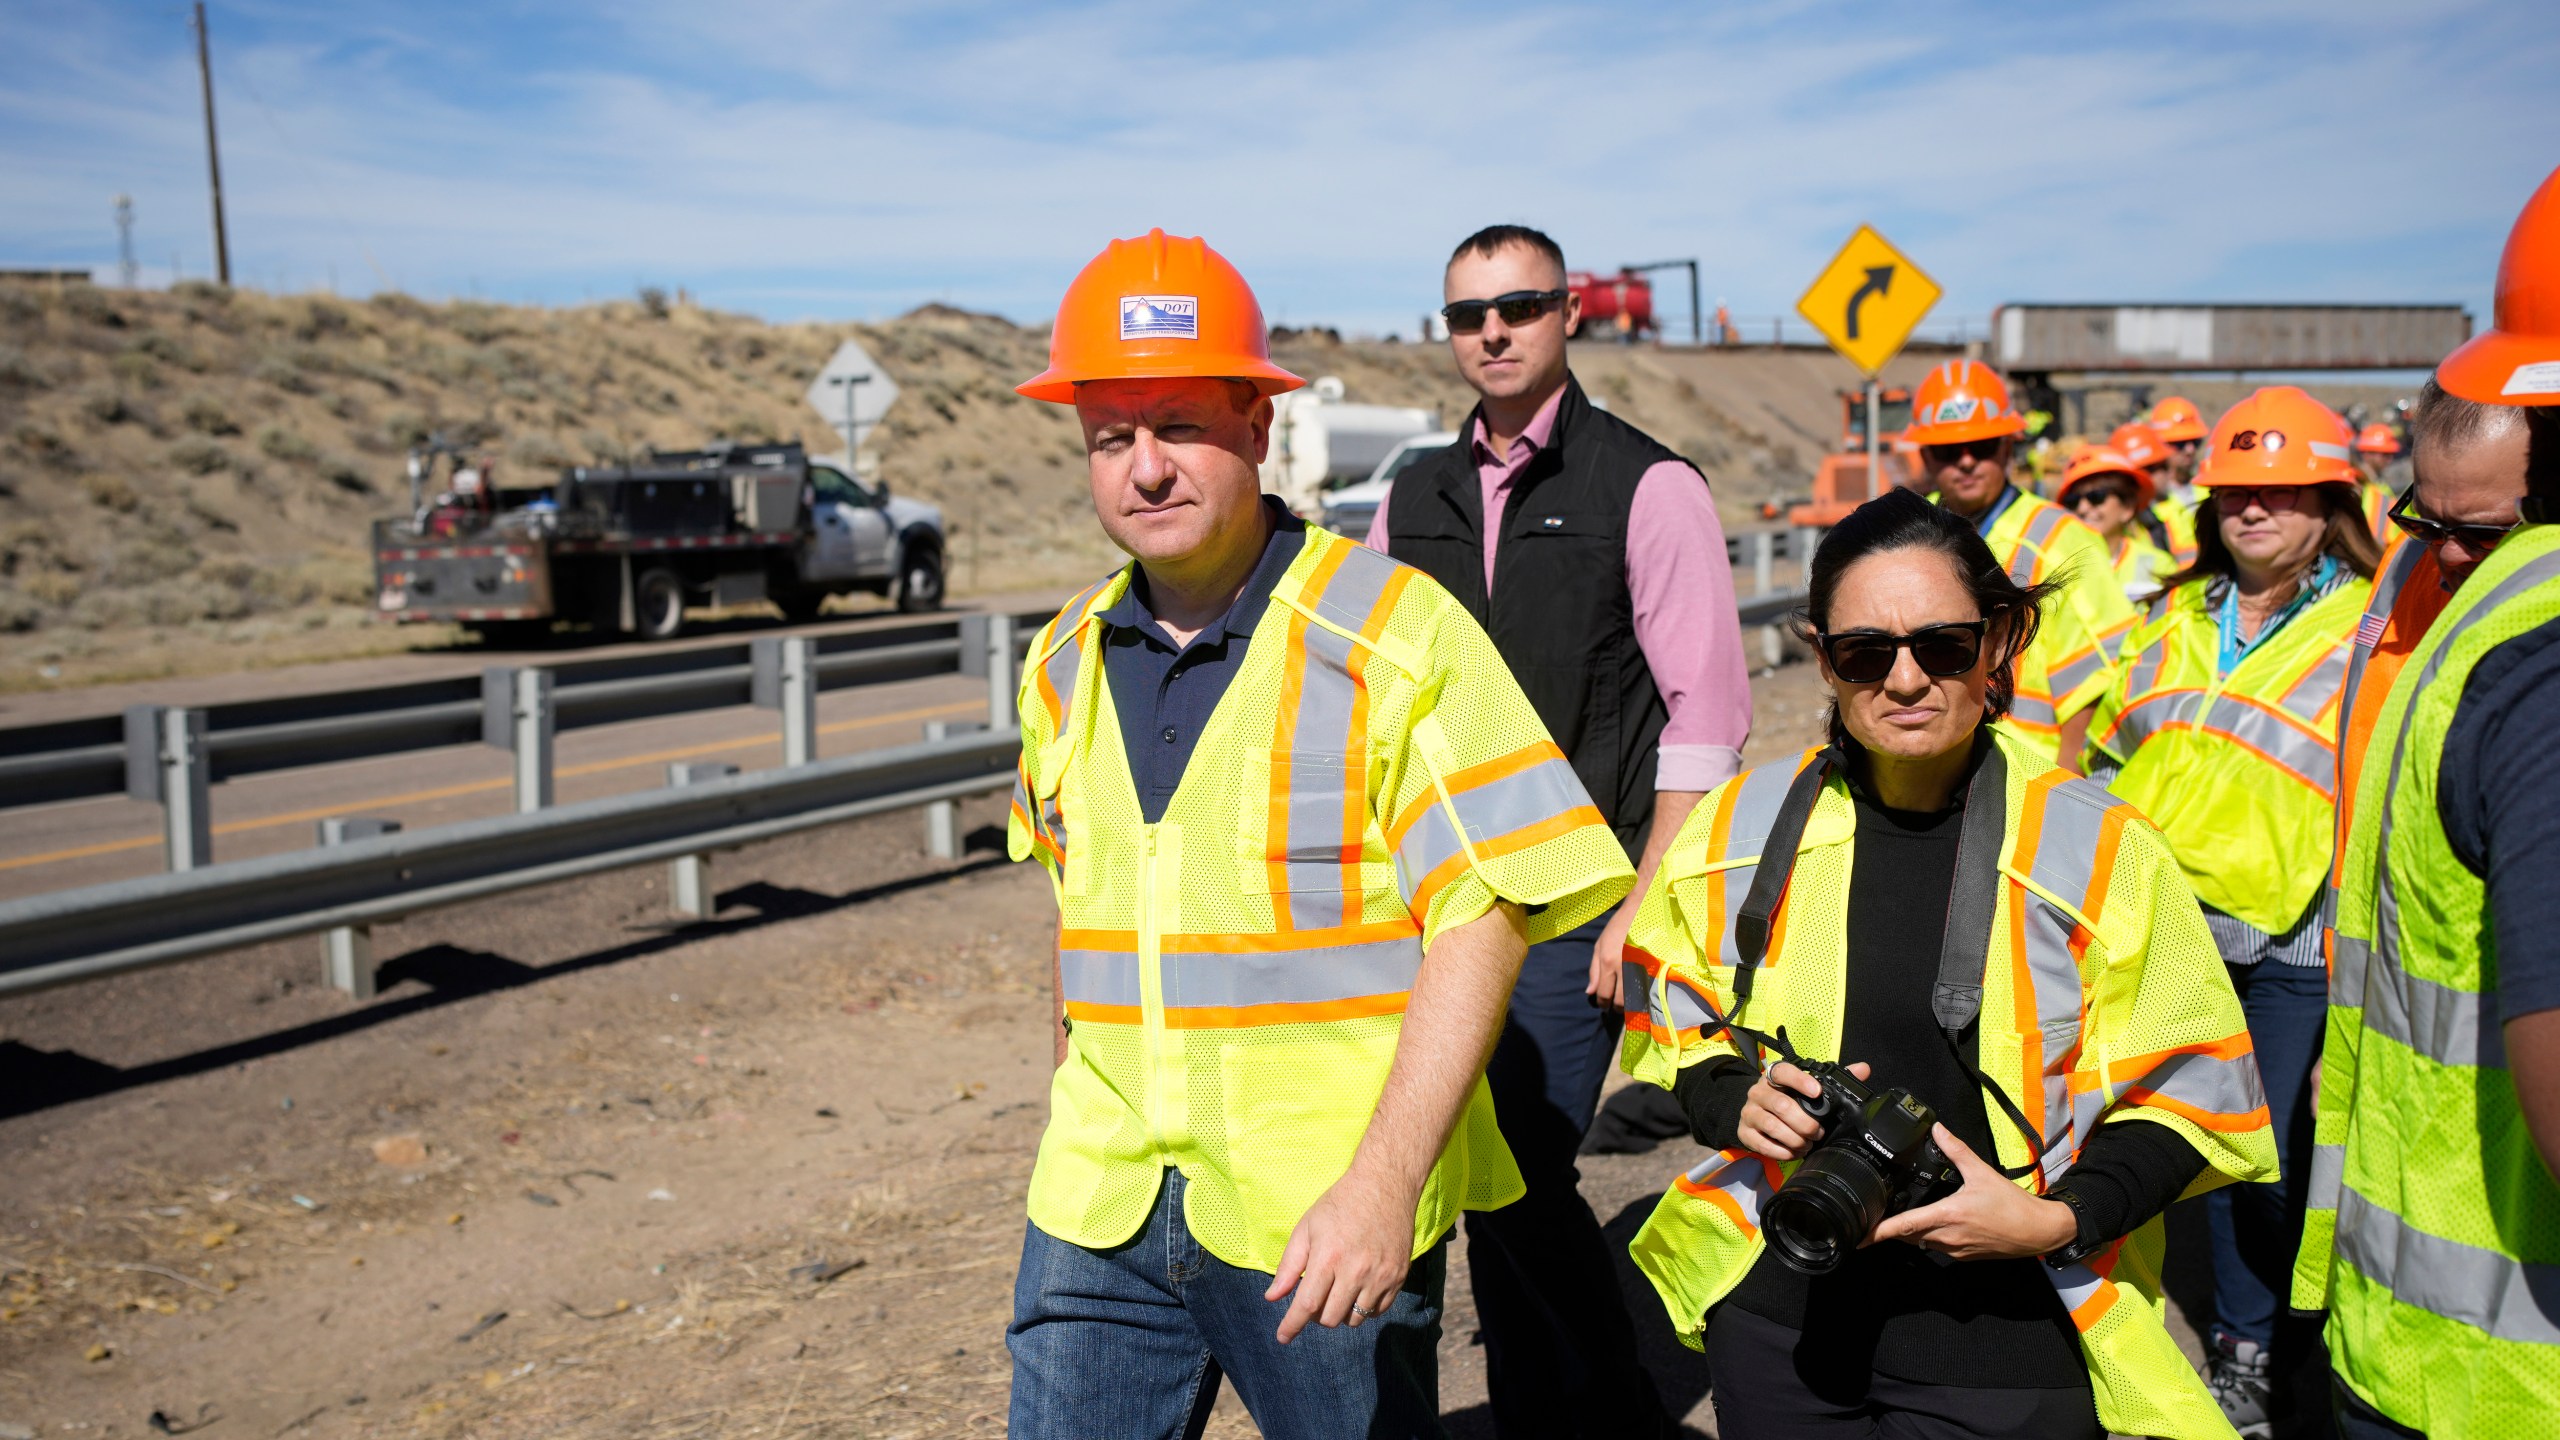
(1990, 517)
(2233, 649)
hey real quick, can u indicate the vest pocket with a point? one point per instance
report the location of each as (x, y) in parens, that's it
(1298, 1099)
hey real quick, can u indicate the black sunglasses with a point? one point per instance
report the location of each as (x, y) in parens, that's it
(2478, 539)
(1466, 317)
(1863, 657)
(1971, 449)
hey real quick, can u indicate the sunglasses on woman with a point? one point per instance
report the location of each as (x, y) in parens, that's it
(1863, 657)
(1519, 307)
(2274, 499)
(1940, 456)
(2478, 539)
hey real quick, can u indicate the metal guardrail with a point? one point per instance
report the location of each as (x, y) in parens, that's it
(73, 935)
(78, 759)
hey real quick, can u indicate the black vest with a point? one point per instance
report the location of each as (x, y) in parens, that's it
(1560, 612)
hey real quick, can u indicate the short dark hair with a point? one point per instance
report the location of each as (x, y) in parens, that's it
(1900, 519)
(1492, 240)
(2442, 420)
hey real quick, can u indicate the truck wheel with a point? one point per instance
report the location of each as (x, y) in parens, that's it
(658, 604)
(920, 578)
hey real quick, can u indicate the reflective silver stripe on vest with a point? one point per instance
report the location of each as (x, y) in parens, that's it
(2073, 674)
(1325, 815)
(2209, 1083)
(2319, 685)
(2328, 1176)
(2150, 715)
(2029, 709)
(2448, 1026)
(2068, 834)
(2378, 605)
(1264, 977)
(2506, 1298)
(1760, 795)
(2305, 757)
(2431, 1018)
(2022, 561)
(2347, 968)
(1489, 811)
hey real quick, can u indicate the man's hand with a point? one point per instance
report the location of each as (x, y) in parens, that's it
(1989, 1219)
(1772, 1123)
(1348, 1255)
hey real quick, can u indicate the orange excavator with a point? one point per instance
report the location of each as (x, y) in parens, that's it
(1843, 484)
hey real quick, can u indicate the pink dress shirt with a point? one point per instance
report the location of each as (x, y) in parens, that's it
(1682, 588)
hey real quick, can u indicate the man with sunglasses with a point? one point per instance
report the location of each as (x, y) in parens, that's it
(2434, 1225)
(1966, 426)
(1594, 557)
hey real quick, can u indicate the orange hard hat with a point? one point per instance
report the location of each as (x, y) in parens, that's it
(1962, 400)
(2105, 460)
(2517, 360)
(1157, 307)
(2278, 436)
(2177, 418)
(2136, 441)
(2377, 439)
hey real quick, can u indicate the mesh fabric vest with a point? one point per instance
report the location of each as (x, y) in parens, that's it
(2238, 770)
(2103, 999)
(2070, 665)
(2434, 1234)
(1235, 975)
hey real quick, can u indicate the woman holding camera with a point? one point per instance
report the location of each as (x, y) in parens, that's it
(1989, 968)
(2222, 729)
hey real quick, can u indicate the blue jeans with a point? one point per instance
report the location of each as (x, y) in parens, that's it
(2257, 1228)
(1130, 1343)
(1559, 1347)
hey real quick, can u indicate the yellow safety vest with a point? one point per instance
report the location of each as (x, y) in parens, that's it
(2071, 664)
(1235, 974)
(2102, 1000)
(2433, 1233)
(2378, 500)
(2180, 521)
(2238, 770)
(2140, 566)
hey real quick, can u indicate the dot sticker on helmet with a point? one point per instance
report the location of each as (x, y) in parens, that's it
(2539, 378)
(1159, 317)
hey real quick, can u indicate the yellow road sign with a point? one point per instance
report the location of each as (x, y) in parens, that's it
(1867, 301)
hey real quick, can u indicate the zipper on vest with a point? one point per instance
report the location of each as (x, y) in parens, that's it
(1151, 987)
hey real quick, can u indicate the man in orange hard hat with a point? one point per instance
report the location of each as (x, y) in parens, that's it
(1302, 825)
(2434, 1227)
(2139, 442)
(2182, 431)
(1967, 427)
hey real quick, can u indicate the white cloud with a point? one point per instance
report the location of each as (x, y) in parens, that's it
(812, 157)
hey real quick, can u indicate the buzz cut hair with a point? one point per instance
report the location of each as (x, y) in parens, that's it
(1492, 240)
(2442, 420)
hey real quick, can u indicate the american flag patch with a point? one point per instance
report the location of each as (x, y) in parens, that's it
(2369, 634)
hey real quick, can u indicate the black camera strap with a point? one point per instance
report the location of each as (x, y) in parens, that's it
(1956, 1000)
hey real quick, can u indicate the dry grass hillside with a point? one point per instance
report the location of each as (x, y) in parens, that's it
(187, 476)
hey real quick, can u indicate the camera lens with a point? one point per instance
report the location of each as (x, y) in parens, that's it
(1826, 1208)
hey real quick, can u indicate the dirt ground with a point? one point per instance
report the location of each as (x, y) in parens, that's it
(581, 1171)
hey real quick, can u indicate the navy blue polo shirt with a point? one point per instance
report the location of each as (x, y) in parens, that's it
(1165, 694)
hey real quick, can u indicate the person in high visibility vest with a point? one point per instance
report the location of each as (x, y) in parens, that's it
(2433, 1236)
(2375, 445)
(2222, 730)
(2181, 429)
(2110, 493)
(2073, 993)
(1302, 825)
(1966, 427)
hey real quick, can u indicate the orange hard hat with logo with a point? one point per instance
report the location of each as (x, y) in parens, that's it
(2278, 436)
(2517, 360)
(1158, 307)
(2377, 439)
(2177, 419)
(1962, 400)
(2136, 441)
(2106, 460)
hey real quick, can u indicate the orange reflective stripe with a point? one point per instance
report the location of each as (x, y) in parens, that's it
(1483, 772)
(2208, 1119)
(1520, 839)
(1300, 1012)
(2229, 1047)
(1368, 932)
(2086, 1315)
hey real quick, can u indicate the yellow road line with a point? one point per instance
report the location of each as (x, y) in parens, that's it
(417, 797)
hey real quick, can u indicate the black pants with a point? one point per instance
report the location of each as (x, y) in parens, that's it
(1559, 1350)
(2359, 1421)
(1777, 1383)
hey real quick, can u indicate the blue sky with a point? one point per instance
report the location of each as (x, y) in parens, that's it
(801, 159)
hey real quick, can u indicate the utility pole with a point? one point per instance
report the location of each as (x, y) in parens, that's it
(126, 270)
(212, 150)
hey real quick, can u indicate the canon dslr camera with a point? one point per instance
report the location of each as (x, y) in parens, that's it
(1875, 1158)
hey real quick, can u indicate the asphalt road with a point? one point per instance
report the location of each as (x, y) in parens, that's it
(89, 842)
